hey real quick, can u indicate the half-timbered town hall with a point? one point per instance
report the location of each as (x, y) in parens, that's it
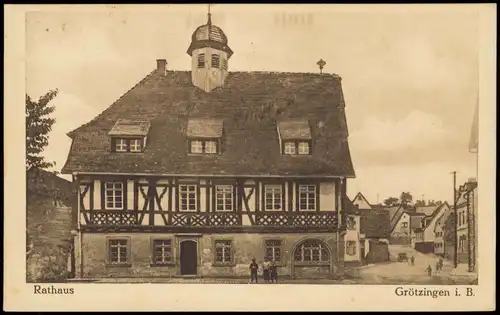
(194, 173)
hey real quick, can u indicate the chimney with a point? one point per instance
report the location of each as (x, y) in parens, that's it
(161, 66)
(471, 183)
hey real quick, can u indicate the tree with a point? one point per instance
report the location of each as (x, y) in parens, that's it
(38, 126)
(391, 201)
(420, 203)
(406, 198)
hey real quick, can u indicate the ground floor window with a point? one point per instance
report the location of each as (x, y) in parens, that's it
(273, 250)
(223, 251)
(311, 251)
(350, 248)
(162, 252)
(119, 251)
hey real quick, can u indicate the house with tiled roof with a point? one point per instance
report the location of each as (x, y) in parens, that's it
(439, 232)
(194, 173)
(425, 237)
(466, 227)
(367, 235)
(361, 202)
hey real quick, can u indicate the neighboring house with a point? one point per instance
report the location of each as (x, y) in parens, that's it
(400, 225)
(466, 224)
(415, 225)
(361, 202)
(367, 235)
(194, 173)
(425, 236)
(439, 232)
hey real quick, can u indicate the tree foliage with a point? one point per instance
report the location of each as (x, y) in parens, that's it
(391, 201)
(406, 198)
(38, 126)
(420, 203)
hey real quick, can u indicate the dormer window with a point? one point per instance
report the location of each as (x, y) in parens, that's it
(295, 137)
(204, 136)
(135, 145)
(203, 146)
(201, 61)
(121, 145)
(129, 135)
(215, 61)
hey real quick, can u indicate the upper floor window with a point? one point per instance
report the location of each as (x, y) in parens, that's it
(201, 61)
(204, 136)
(188, 198)
(121, 145)
(296, 147)
(113, 192)
(215, 61)
(224, 198)
(128, 145)
(404, 224)
(224, 64)
(135, 145)
(307, 197)
(273, 198)
(204, 146)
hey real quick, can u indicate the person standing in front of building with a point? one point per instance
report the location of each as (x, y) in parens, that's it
(274, 272)
(265, 269)
(254, 267)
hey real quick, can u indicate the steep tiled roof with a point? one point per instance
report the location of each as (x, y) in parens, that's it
(416, 220)
(375, 223)
(427, 210)
(250, 103)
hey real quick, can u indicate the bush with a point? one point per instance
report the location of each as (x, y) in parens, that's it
(47, 263)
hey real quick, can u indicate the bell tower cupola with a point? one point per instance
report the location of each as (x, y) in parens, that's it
(210, 54)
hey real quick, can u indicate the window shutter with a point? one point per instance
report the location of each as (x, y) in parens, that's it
(113, 144)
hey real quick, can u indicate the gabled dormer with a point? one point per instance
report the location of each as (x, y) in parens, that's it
(129, 136)
(204, 136)
(295, 137)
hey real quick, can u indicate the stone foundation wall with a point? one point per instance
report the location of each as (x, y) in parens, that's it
(244, 248)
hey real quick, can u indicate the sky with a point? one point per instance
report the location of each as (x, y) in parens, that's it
(409, 74)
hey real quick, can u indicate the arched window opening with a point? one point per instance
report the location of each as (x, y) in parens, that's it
(311, 251)
(224, 64)
(215, 61)
(201, 61)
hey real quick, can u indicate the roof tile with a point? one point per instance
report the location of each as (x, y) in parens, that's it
(250, 104)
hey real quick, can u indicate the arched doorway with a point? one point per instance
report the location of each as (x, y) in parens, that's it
(312, 258)
(188, 257)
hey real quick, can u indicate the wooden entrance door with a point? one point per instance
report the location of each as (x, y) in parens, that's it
(189, 257)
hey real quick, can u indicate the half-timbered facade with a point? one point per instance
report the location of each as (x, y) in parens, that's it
(194, 173)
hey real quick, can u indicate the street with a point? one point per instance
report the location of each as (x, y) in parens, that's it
(394, 272)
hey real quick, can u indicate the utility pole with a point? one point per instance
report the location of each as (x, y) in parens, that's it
(455, 224)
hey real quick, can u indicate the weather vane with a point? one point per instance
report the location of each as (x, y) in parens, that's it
(321, 63)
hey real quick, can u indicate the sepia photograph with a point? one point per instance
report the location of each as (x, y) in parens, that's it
(254, 145)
